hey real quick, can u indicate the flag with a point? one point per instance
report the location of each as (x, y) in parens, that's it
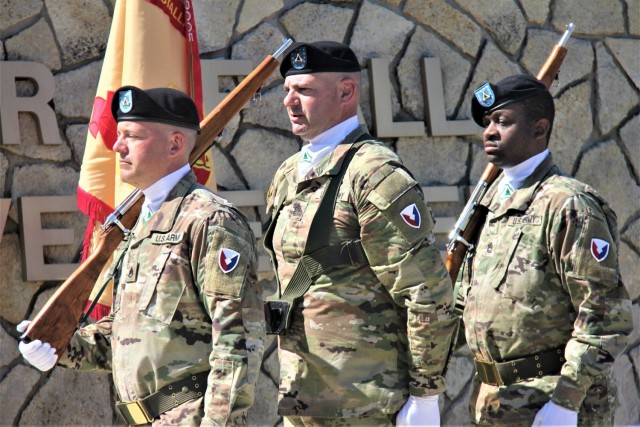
(152, 43)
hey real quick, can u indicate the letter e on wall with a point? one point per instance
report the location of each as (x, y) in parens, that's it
(33, 237)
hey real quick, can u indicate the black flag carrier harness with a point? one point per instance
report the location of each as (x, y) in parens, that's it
(318, 255)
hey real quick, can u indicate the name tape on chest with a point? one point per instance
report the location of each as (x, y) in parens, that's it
(160, 239)
(526, 220)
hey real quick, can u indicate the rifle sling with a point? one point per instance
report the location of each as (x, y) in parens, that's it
(85, 316)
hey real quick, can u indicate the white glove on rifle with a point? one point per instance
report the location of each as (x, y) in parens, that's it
(39, 354)
(552, 414)
(419, 411)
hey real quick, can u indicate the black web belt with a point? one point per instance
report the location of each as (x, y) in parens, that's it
(517, 370)
(145, 410)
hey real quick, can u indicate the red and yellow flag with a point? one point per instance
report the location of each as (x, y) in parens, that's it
(152, 43)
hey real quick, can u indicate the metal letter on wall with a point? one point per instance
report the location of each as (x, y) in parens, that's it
(434, 110)
(11, 104)
(33, 237)
(385, 127)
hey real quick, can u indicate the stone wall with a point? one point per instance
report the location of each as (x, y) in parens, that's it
(596, 137)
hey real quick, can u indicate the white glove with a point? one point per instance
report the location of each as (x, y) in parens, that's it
(555, 415)
(419, 411)
(39, 354)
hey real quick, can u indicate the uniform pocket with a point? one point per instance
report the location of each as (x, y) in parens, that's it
(523, 270)
(162, 291)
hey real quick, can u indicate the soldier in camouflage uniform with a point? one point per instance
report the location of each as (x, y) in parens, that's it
(186, 331)
(369, 337)
(545, 311)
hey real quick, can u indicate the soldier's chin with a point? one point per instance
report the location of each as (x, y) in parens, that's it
(494, 160)
(299, 130)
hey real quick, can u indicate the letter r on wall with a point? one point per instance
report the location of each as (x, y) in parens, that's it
(11, 104)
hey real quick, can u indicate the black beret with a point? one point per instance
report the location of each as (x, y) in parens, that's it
(162, 105)
(490, 97)
(319, 57)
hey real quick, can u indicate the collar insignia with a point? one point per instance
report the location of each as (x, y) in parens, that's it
(506, 191)
(306, 157)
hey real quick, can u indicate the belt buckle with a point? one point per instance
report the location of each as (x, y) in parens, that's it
(134, 413)
(490, 371)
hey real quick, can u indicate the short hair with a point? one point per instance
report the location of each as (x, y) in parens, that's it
(540, 106)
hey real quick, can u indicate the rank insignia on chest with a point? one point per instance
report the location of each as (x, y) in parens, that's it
(411, 215)
(228, 260)
(599, 249)
(131, 272)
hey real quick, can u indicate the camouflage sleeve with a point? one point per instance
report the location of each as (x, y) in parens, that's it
(584, 251)
(396, 231)
(227, 277)
(90, 347)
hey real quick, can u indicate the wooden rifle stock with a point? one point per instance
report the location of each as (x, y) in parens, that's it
(57, 321)
(472, 217)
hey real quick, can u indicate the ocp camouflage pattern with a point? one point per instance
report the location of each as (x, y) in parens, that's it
(177, 313)
(536, 286)
(364, 336)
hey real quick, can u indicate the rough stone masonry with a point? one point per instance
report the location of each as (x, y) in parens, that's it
(596, 137)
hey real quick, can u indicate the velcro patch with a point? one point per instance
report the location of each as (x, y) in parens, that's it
(398, 198)
(596, 254)
(227, 264)
(388, 190)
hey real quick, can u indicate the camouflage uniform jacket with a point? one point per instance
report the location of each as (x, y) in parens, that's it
(364, 336)
(176, 312)
(540, 282)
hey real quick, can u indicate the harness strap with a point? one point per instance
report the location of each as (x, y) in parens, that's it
(318, 255)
